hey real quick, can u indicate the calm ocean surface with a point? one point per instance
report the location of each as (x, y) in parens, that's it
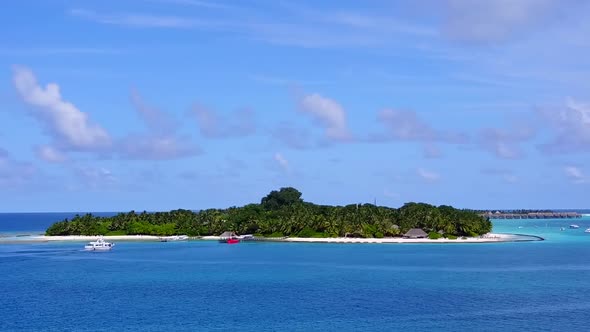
(202, 286)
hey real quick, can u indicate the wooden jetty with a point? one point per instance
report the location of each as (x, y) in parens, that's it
(531, 215)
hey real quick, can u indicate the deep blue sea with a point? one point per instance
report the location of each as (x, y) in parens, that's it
(207, 286)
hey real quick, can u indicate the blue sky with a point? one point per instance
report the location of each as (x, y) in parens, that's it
(163, 104)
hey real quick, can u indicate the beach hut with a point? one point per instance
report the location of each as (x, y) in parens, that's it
(416, 233)
(227, 235)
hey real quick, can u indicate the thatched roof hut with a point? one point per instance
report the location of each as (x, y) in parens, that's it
(227, 235)
(416, 233)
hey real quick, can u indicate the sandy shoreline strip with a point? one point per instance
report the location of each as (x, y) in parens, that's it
(486, 239)
(492, 237)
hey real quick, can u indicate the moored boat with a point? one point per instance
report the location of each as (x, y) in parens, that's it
(587, 230)
(99, 245)
(229, 237)
(173, 238)
(233, 240)
(574, 226)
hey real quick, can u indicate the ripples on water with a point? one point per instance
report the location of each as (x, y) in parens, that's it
(195, 286)
(209, 286)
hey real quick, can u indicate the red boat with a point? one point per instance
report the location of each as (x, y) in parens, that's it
(232, 241)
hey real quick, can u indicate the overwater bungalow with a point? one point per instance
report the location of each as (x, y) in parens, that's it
(531, 215)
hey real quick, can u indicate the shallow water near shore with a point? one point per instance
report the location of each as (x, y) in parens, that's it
(198, 285)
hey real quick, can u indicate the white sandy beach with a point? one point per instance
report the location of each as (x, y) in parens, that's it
(488, 238)
(491, 237)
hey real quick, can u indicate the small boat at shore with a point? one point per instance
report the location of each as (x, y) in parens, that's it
(574, 226)
(173, 238)
(99, 245)
(229, 238)
(232, 240)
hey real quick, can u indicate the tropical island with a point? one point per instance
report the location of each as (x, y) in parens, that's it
(283, 213)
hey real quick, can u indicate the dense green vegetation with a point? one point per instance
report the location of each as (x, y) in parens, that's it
(284, 213)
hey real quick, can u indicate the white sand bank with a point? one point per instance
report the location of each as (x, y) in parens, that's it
(491, 237)
(484, 239)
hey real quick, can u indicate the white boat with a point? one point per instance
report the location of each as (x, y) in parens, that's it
(587, 230)
(173, 238)
(99, 245)
(574, 226)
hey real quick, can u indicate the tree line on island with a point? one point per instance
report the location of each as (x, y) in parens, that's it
(284, 213)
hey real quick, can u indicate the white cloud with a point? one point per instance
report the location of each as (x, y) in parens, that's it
(582, 109)
(161, 141)
(50, 154)
(73, 130)
(95, 177)
(505, 144)
(428, 175)
(70, 127)
(502, 150)
(575, 174)
(329, 114)
(282, 162)
(153, 147)
(504, 174)
(407, 126)
(156, 120)
(15, 174)
(571, 125)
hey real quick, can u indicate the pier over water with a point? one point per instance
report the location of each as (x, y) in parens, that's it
(532, 215)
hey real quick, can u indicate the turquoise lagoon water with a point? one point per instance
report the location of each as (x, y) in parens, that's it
(207, 286)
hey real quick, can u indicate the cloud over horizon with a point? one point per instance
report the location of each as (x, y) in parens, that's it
(570, 125)
(50, 154)
(505, 143)
(70, 128)
(352, 96)
(16, 174)
(428, 176)
(575, 174)
(328, 114)
(73, 130)
(407, 126)
(161, 141)
(282, 162)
